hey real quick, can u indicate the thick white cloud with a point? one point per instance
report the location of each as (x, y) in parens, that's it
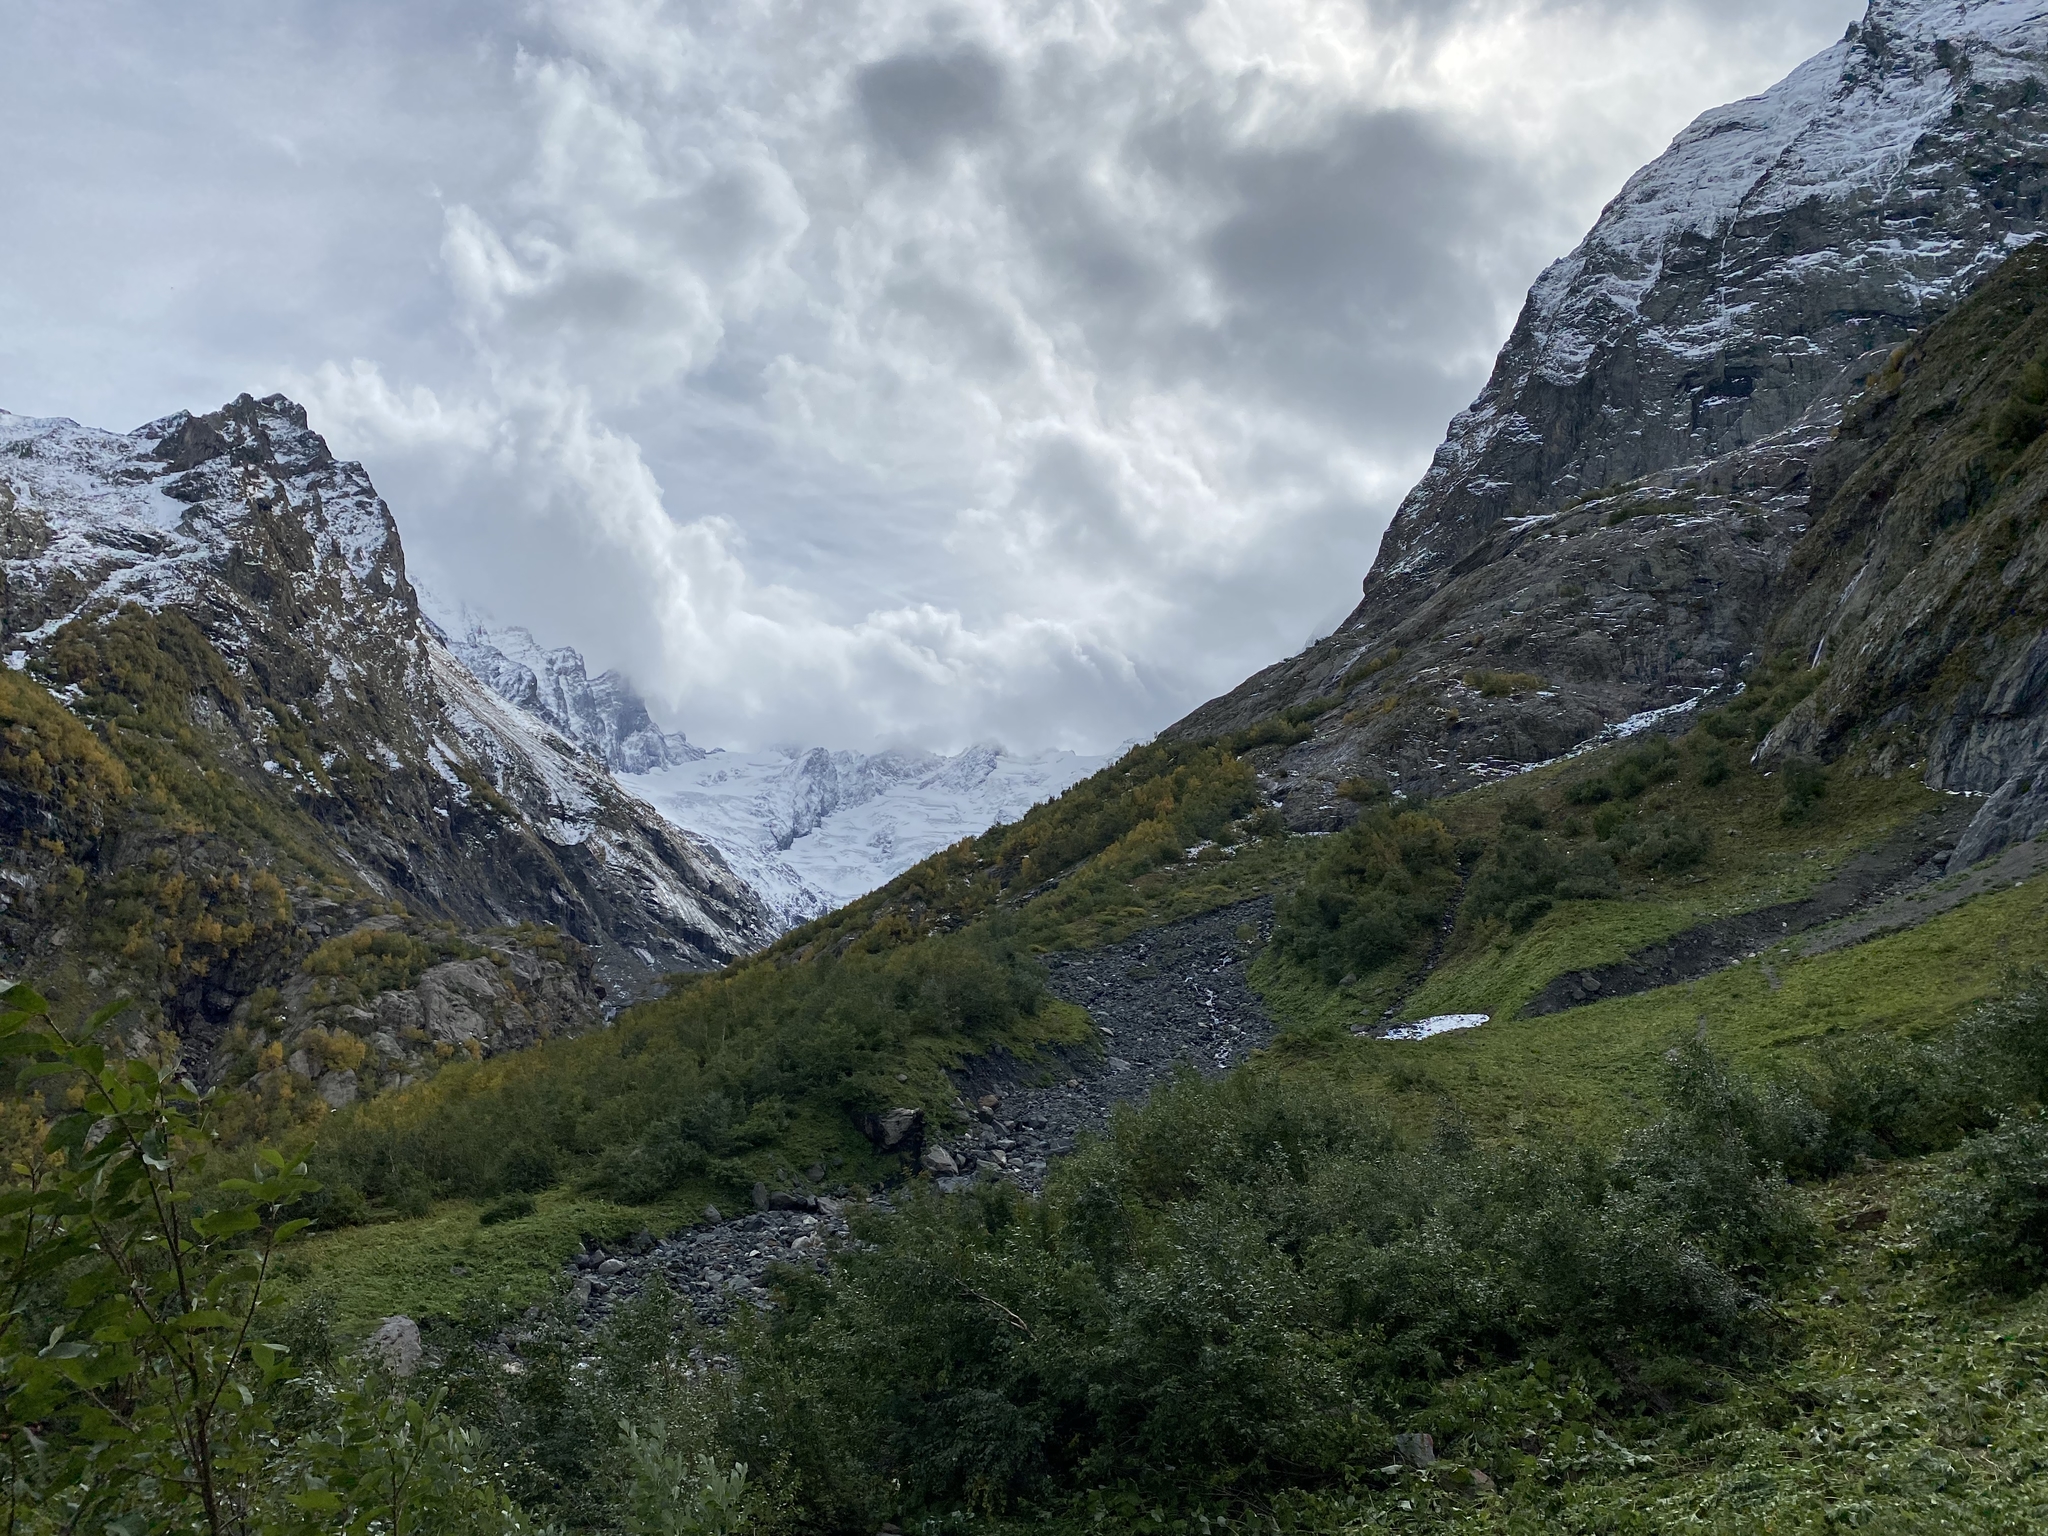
(847, 371)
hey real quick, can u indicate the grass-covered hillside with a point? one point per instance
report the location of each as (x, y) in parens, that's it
(1591, 1250)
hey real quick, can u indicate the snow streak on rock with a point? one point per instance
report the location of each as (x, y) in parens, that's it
(1773, 243)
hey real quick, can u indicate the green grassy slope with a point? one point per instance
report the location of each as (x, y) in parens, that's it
(866, 1009)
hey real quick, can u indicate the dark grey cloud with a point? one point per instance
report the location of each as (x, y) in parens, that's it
(916, 103)
(1350, 272)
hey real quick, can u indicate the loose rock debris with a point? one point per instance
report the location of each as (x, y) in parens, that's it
(1163, 998)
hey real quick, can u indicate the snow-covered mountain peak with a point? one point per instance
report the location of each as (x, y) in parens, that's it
(346, 702)
(157, 516)
(604, 715)
(1734, 279)
(811, 829)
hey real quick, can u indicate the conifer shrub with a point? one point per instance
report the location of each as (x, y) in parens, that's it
(1502, 685)
(507, 1208)
(1525, 873)
(2023, 415)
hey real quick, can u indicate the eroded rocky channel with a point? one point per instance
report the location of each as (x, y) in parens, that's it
(1166, 999)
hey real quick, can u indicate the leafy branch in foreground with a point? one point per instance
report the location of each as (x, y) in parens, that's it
(139, 1389)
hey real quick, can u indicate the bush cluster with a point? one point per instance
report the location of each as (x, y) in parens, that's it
(1383, 883)
(1248, 1287)
(1524, 874)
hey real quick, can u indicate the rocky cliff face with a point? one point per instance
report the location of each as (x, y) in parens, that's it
(1603, 535)
(1734, 279)
(222, 611)
(1921, 591)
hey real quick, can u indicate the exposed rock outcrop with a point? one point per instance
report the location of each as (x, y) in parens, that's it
(604, 715)
(1608, 534)
(225, 605)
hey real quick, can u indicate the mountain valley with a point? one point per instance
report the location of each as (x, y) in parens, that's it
(1566, 1052)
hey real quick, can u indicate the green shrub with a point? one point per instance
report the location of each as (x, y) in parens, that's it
(1805, 784)
(527, 1171)
(1596, 790)
(1381, 884)
(1362, 670)
(1501, 685)
(1525, 873)
(1989, 1216)
(1672, 844)
(510, 1208)
(1651, 763)
(1265, 822)
(2023, 415)
(1363, 791)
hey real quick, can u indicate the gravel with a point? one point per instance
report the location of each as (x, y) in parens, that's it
(1163, 998)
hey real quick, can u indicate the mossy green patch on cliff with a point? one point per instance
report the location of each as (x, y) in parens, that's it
(160, 871)
(1590, 1070)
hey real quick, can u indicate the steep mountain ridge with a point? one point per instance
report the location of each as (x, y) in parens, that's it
(1604, 534)
(605, 715)
(224, 580)
(1922, 588)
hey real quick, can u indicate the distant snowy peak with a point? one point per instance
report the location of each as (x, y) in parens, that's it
(811, 830)
(819, 784)
(604, 714)
(807, 829)
(1732, 281)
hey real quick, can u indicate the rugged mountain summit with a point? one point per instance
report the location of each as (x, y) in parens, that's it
(1604, 534)
(604, 715)
(223, 608)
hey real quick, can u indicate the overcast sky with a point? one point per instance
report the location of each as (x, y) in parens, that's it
(845, 371)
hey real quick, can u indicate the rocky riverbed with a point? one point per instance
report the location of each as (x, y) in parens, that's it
(715, 1266)
(1162, 999)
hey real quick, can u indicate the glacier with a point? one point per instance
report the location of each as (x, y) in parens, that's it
(808, 829)
(811, 830)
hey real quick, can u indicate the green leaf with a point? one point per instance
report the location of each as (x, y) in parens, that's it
(203, 1318)
(106, 1015)
(226, 1223)
(25, 998)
